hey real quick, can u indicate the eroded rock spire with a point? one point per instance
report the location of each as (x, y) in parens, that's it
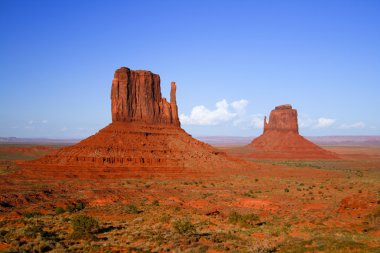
(136, 97)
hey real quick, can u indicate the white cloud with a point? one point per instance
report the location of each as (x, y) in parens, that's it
(224, 112)
(240, 105)
(249, 121)
(305, 121)
(354, 125)
(35, 124)
(257, 121)
(324, 122)
(30, 125)
(235, 113)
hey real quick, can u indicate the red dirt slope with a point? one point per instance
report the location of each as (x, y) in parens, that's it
(132, 149)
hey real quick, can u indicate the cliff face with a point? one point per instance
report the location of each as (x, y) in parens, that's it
(136, 97)
(282, 118)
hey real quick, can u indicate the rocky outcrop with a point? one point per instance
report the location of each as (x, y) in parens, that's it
(281, 139)
(136, 97)
(282, 118)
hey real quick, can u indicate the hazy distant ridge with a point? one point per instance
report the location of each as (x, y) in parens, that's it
(321, 140)
(15, 140)
(218, 140)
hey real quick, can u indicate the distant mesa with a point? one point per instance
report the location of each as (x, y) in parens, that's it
(144, 138)
(281, 139)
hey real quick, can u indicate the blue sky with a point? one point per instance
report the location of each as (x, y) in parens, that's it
(233, 62)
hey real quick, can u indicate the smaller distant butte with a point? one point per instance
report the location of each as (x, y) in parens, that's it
(281, 139)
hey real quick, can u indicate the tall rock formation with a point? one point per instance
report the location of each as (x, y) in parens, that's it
(144, 138)
(281, 139)
(136, 97)
(282, 118)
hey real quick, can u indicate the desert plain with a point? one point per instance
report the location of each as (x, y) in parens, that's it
(270, 206)
(263, 139)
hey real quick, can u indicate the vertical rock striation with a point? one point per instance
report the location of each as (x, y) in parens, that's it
(282, 118)
(136, 97)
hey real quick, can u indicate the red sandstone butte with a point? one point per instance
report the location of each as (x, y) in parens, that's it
(282, 118)
(282, 140)
(144, 138)
(136, 97)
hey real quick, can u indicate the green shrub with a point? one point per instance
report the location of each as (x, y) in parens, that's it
(222, 237)
(249, 194)
(184, 227)
(131, 209)
(31, 214)
(247, 220)
(70, 208)
(33, 231)
(84, 227)
(3, 233)
(325, 244)
(59, 210)
(156, 203)
(286, 190)
(165, 218)
(75, 208)
(79, 206)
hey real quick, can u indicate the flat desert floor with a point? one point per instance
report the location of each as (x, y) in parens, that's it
(275, 206)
